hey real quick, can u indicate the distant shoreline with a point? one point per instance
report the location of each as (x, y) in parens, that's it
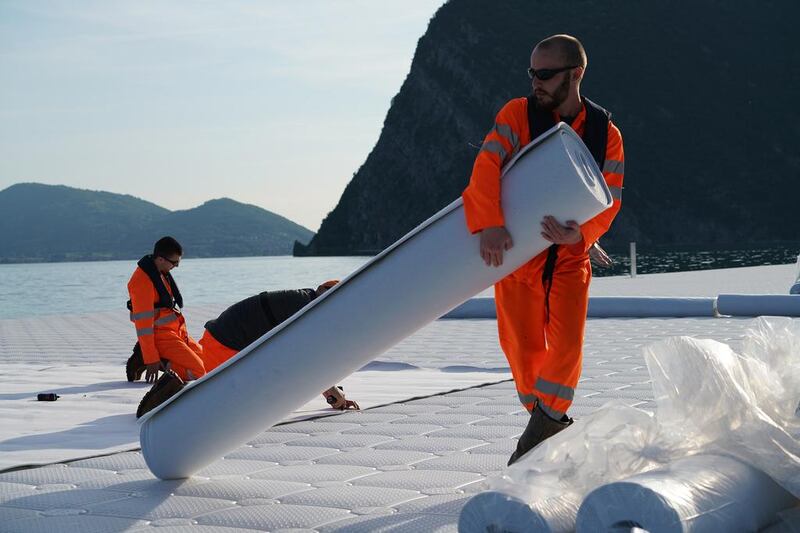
(650, 259)
(40, 260)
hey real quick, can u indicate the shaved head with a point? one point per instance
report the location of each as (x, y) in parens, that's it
(570, 48)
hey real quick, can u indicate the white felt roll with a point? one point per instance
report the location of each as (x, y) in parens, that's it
(650, 307)
(408, 285)
(473, 308)
(498, 511)
(759, 304)
(609, 307)
(701, 493)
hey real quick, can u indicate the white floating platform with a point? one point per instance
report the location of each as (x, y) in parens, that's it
(407, 467)
(410, 284)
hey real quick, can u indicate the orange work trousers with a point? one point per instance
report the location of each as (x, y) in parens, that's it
(545, 353)
(183, 353)
(214, 352)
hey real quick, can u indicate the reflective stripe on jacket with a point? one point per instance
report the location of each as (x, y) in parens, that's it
(508, 135)
(148, 319)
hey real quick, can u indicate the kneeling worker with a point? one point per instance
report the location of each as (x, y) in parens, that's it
(155, 305)
(239, 326)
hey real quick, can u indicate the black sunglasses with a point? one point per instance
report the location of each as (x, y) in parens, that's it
(173, 263)
(546, 73)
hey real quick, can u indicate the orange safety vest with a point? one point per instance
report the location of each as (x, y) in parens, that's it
(510, 133)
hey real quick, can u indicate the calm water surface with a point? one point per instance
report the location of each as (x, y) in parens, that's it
(59, 288)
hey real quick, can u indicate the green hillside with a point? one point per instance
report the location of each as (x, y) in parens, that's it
(58, 223)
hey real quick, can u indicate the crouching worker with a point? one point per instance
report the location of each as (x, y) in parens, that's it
(155, 305)
(238, 327)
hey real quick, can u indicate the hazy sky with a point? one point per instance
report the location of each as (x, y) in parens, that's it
(275, 103)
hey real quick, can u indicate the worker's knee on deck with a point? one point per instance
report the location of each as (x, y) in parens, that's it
(214, 352)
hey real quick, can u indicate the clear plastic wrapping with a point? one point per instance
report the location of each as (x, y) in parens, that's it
(711, 401)
(700, 493)
(744, 404)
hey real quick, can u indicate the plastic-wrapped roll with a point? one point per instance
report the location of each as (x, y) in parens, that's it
(498, 511)
(701, 493)
(758, 304)
(408, 285)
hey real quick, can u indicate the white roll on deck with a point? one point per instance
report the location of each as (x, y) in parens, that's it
(610, 307)
(650, 307)
(498, 511)
(702, 493)
(759, 304)
(411, 283)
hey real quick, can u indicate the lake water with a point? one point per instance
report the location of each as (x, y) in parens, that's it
(59, 288)
(680, 259)
(56, 288)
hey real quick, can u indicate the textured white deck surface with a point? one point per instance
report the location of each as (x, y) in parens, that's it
(405, 467)
(409, 466)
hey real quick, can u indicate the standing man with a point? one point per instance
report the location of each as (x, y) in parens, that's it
(155, 307)
(541, 307)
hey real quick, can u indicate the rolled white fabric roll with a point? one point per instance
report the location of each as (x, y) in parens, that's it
(650, 306)
(408, 285)
(609, 307)
(473, 308)
(759, 304)
(702, 493)
(498, 511)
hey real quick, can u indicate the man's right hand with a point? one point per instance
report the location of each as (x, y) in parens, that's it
(495, 241)
(151, 372)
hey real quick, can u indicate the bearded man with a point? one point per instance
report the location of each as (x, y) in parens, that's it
(541, 307)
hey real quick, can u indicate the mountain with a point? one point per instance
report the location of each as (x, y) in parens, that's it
(226, 228)
(703, 93)
(58, 223)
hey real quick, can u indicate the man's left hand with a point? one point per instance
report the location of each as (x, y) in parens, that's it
(151, 373)
(336, 399)
(554, 232)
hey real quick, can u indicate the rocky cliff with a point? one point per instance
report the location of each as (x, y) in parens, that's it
(704, 93)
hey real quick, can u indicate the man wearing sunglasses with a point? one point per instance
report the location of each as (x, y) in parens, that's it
(155, 306)
(541, 307)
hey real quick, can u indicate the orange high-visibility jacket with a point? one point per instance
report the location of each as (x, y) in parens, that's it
(509, 134)
(149, 319)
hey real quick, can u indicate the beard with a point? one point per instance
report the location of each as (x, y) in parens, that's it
(548, 101)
